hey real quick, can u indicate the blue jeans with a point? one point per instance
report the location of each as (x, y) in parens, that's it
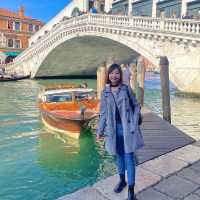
(124, 160)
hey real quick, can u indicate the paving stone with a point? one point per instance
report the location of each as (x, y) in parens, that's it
(192, 197)
(65, 198)
(190, 174)
(151, 194)
(86, 193)
(176, 187)
(196, 166)
(145, 179)
(164, 165)
(106, 186)
(197, 143)
(189, 153)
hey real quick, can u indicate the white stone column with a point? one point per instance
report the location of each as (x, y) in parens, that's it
(108, 5)
(183, 8)
(85, 5)
(130, 7)
(154, 8)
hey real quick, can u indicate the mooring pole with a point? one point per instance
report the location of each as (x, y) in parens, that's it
(101, 79)
(140, 80)
(164, 77)
(98, 82)
(133, 81)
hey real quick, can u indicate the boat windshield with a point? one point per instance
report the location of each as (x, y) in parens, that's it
(84, 95)
(60, 97)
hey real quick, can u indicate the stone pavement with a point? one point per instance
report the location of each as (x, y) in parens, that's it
(173, 176)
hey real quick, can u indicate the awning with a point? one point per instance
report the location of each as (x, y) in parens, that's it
(12, 53)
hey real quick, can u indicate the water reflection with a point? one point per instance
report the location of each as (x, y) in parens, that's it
(78, 158)
(55, 151)
(186, 115)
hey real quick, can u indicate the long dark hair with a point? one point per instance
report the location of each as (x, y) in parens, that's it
(110, 69)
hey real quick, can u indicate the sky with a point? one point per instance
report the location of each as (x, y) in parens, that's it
(42, 10)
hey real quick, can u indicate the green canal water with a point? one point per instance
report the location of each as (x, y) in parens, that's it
(36, 164)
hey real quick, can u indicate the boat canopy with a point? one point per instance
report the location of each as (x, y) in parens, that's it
(57, 91)
(67, 95)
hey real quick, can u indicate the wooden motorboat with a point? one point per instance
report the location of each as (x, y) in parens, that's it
(68, 108)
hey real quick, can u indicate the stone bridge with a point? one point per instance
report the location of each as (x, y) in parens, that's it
(78, 45)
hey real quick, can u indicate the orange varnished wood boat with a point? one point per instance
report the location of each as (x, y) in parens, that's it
(68, 108)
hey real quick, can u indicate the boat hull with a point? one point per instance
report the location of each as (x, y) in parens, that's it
(71, 128)
(2, 79)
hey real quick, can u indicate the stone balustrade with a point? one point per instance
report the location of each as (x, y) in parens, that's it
(182, 26)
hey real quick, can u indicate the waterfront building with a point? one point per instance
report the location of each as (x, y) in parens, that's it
(134, 7)
(120, 7)
(15, 30)
(193, 9)
(142, 8)
(169, 8)
(158, 8)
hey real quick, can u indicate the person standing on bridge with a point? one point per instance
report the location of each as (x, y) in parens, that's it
(126, 74)
(93, 10)
(118, 123)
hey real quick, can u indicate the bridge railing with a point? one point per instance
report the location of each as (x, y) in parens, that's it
(182, 26)
(160, 24)
(125, 21)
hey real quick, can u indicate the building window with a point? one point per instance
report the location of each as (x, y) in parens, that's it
(17, 26)
(10, 43)
(10, 24)
(37, 27)
(30, 27)
(14, 43)
(17, 44)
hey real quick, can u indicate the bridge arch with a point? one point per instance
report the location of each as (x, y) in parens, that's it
(129, 45)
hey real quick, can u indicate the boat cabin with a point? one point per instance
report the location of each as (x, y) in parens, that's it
(68, 95)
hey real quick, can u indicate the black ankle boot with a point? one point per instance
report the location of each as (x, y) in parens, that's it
(120, 186)
(131, 193)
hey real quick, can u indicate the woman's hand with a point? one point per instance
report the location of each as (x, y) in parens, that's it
(99, 137)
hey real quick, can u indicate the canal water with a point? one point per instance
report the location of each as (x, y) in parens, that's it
(37, 164)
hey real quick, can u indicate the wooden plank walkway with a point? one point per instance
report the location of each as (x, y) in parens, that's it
(160, 137)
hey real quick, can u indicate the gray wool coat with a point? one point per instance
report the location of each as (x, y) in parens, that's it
(133, 139)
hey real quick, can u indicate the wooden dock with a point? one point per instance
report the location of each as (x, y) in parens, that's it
(160, 137)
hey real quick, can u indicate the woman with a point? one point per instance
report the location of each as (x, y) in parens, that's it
(119, 124)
